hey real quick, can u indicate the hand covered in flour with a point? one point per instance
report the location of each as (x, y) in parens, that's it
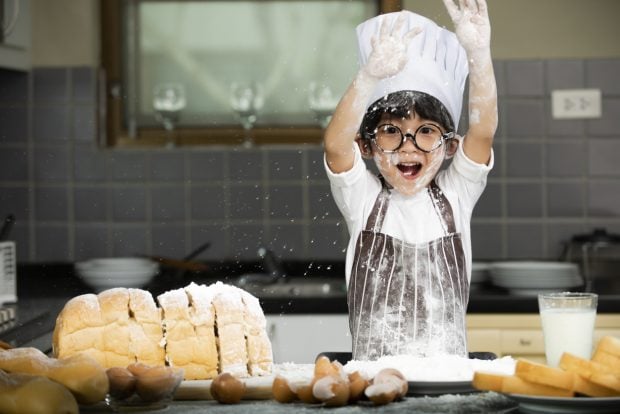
(472, 26)
(389, 49)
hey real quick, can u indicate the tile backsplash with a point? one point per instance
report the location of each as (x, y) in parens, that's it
(75, 200)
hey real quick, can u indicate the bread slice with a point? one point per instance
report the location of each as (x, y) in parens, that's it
(260, 354)
(182, 345)
(486, 381)
(592, 371)
(230, 330)
(202, 318)
(114, 305)
(545, 375)
(145, 329)
(511, 384)
(610, 361)
(79, 328)
(609, 344)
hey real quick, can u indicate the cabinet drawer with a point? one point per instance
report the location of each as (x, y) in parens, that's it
(525, 342)
(484, 340)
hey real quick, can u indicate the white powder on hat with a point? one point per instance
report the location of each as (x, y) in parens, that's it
(437, 368)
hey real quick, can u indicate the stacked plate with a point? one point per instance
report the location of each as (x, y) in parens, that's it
(532, 277)
(479, 274)
(106, 273)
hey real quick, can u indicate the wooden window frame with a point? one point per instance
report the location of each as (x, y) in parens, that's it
(116, 135)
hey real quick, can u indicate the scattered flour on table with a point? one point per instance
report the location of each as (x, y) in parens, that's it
(439, 368)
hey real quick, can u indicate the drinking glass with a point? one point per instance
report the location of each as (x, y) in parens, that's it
(246, 99)
(322, 102)
(168, 101)
(568, 324)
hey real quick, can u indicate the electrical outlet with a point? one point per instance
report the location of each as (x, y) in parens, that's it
(576, 103)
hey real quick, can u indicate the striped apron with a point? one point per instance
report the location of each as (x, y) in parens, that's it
(404, 298)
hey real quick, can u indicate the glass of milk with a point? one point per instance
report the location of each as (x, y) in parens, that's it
(568, 324)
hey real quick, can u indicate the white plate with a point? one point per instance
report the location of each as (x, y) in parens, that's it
(535, 275)
(559, 405)
(420, 388)
(536, 292)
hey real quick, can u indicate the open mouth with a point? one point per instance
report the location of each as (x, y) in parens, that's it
(409, 169)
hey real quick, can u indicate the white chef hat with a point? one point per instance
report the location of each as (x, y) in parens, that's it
(437, 63)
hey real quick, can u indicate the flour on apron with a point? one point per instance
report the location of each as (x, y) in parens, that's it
(408, 298)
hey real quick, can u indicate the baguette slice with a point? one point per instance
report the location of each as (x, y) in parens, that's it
(592, 371)
(511, 384)
(545, 375)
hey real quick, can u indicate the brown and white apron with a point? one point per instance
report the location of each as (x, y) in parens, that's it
(404, 298)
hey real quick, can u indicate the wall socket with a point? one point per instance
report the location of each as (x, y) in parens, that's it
(576, 103)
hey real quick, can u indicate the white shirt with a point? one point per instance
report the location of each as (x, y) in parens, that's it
(410, 218)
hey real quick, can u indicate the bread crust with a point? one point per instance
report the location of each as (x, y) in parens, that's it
(545, 375)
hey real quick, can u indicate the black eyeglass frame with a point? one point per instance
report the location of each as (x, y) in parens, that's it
(444, 137)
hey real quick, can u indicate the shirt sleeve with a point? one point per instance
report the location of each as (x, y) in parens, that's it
(350, 189)
(466, 178)
(350, 177)
(469, 169)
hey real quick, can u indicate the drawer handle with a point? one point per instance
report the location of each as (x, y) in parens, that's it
(525, 342)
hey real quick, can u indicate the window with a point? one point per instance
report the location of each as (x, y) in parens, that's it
(227, 72)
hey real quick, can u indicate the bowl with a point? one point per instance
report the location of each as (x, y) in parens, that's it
(106, 273)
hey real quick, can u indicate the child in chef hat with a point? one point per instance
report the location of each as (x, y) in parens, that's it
(408, 260)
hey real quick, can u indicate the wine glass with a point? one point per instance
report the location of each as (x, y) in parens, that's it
(246, 99)
(322, 102)
(168, 101)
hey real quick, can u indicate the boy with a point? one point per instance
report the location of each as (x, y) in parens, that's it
(409, 257)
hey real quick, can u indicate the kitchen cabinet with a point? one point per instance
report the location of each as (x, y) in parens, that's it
(300, 338)
(520, 335)
(16, 34)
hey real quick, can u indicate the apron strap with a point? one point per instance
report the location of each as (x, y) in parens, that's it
(377, 214)
(442, 207)
(439, 199)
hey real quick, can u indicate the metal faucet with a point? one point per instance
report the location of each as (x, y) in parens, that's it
(272, 265)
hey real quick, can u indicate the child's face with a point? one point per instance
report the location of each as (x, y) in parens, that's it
(409, 169)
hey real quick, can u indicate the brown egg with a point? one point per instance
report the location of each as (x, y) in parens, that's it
(304, 393)
(323, 367)
(227, 389)
(157, 383)
(381, 394)
(357, 385)
(138, 368)
(393, 376)
(332, 390)
(282, 391)
(122, 382)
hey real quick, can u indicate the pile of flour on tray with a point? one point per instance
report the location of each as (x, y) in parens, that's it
(437, 368)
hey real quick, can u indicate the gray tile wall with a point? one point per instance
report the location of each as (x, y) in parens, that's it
(74, 200)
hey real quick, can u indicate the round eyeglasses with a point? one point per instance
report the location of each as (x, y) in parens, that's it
(427, 138)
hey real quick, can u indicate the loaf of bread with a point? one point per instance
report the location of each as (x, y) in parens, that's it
(511, 384)
(205, 330)
(22, 393)
(81, 374)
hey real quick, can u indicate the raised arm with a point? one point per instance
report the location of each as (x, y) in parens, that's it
(472, 27)
(388, 57)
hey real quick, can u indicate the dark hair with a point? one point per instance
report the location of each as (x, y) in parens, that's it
(404, 104)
